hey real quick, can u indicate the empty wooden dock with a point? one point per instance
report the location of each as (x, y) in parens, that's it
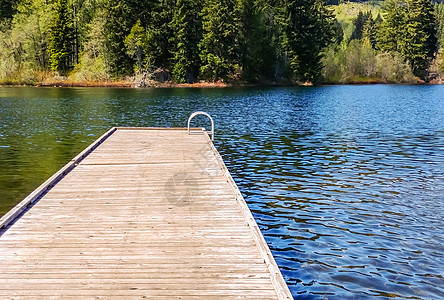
(141, 213)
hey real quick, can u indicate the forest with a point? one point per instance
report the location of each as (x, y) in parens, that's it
(232, 41)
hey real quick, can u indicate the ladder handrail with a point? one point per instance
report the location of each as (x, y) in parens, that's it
(196, 113)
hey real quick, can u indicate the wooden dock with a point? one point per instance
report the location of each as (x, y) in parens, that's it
(141, 213)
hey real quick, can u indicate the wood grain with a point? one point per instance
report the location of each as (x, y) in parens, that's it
(141, 213)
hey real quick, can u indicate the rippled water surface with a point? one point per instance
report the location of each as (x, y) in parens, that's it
(346, 182)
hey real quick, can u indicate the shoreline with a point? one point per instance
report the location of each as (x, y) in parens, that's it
(218, 84)
(129, 84)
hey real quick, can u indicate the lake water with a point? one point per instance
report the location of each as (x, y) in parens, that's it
(345, 182)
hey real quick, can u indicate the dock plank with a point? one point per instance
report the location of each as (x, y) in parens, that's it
(142, 212)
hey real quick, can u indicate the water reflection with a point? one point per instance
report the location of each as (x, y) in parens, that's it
(346, 183)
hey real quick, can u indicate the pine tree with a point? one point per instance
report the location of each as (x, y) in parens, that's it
(439, 12)
(410, 29)
(420, 43)
(338, 32)
(60, 38)
(392, 29)
(7, 9)
(219, 45)
(187, 25)
(306, 31)
(370, 30)
(257, 54)
(358, 23)
(362, 22)
(119, 21)
(161, 14)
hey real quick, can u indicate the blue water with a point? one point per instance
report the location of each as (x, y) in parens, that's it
(345, 182)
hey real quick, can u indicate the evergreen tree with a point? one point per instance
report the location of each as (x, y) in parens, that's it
(119, 21)
(306, 31)
(257, 54)
(187, 25)
(439, 12)
(7, 9)
(358, 24)
(154, 15)
(60, 38)
(371, 29)
(392, 29)
(255, 40)
(420, 44)
(363, 20)
(219, 45)
(338, 32)
(410, 29)
(161, 14)
(83, 12)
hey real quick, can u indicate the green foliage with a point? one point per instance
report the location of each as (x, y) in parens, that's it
(187, 28)
(119, 21)
(90, 69)
(345, 13)
(155, 16)
(161, 43)
(9, 64)
(359, 62)
(257, 52)
(23, 52)
(410, 29)
(219, 48)
(439, 12)
(365, 27)
(306, 31)
(420, 44)
(94, 40)
(7, 9)
(60, 38)
(363, 20)
(92, 65)
(371, 29)
(436, 68)
(338, 32)
(134, 43)
(29, 36)
(392, 29)
(83, 13)
(249, 40)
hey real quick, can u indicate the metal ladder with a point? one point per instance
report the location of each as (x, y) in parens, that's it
(205, 114)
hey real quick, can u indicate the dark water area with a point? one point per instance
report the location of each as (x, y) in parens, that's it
(345, 182)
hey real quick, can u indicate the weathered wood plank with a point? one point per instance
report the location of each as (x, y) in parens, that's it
(213, 297)
(145, 293)
(139, 213)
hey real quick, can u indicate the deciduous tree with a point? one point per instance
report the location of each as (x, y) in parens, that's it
(134, 43)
